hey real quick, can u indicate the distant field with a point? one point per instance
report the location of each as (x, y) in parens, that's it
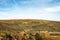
(19, 25)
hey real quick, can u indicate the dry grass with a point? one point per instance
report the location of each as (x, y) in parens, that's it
(20, 35)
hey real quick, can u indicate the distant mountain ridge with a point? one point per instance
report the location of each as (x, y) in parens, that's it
(29, 24)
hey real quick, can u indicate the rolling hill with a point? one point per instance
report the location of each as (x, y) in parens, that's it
(29, 24)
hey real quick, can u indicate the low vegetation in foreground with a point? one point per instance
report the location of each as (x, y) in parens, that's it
(29, 35)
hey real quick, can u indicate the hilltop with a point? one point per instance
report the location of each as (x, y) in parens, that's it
(20, 25)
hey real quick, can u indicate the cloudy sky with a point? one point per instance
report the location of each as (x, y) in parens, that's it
(30, 9)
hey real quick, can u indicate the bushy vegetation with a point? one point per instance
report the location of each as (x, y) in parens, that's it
(19, 36)
(23, 35)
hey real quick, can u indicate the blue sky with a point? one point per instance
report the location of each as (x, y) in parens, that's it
(30, 9)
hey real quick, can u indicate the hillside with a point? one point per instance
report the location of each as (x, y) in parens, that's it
(19, 25)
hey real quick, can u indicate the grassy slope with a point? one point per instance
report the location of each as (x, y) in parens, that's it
(18, 25)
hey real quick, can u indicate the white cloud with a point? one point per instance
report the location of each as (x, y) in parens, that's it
(31, 13)
(53, 9)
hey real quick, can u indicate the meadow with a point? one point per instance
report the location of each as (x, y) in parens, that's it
(29, 30)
